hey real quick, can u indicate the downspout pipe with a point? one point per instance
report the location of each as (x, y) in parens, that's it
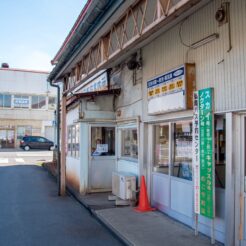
(58, 136)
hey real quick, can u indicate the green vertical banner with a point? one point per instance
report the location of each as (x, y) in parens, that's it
(203, 152)
(206, 151)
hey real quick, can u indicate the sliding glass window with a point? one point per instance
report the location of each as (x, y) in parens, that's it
(182, 153)
(129, 143)
(173, 147)
(161, 148)
(38, 102)
(5, 101)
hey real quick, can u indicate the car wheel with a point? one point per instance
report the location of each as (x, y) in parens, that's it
(51, 148)
(26, 148)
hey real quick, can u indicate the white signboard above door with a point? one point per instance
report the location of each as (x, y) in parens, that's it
(171, 91)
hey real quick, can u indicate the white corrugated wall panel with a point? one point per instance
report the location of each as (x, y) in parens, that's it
(215, 66)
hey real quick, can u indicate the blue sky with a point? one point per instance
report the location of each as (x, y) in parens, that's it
(32, 31)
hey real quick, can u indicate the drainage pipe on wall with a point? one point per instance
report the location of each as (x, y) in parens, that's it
(58, 137)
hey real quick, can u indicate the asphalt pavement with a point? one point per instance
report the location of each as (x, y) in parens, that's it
(32, 214)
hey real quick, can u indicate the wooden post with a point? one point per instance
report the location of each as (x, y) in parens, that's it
(63, 148)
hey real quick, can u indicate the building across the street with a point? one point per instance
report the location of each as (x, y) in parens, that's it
(27, 104)
(158, 88)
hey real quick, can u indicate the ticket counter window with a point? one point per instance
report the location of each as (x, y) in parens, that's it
(161, 149)
(102, 141)
(182, 155)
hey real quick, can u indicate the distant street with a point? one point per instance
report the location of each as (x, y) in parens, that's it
(21, 157)
(32, 213)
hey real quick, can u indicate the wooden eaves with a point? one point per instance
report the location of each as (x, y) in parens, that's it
(138, 23)
(75, 97)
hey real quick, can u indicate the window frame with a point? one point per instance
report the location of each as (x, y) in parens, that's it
(73, 141)
(171, 152)
(155, 166)
(3, 106)
(23, 126)
(38, 102)
(124, 157)
(21, 96)
(111, 145)
(53, 98)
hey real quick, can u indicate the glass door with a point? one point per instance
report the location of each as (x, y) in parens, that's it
(7, 138)
(172, 168)
(161, 165)
(182, 150)
(161, 149)
(102, 157)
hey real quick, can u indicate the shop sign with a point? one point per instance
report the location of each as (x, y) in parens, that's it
(203, 152)
(168, 91)
(98, 83)
(21, 102)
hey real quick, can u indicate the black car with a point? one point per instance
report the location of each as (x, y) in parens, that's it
(36, 142)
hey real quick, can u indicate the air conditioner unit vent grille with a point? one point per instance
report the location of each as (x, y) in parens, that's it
(123, 185)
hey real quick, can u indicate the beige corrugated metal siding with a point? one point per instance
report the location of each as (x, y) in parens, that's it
(215, 67)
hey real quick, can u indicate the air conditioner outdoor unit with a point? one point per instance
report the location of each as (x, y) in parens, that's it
(124, 185)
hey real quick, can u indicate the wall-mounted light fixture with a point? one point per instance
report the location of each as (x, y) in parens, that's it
(204, 40)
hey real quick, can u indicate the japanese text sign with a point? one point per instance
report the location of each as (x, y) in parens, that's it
(203, 152)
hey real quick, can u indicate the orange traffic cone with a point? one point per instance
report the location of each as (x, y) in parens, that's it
(143, 205)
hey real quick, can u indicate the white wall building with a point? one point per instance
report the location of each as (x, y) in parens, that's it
(27, 104)
(153, 137)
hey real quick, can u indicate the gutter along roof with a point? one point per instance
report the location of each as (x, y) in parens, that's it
(72, 31)
(91, 19)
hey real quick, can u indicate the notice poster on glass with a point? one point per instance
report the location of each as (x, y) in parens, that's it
(102, 148)
(203, 152)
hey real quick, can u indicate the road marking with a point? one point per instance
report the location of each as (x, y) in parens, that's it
(35, 154)
(19, 160)
(4, 160)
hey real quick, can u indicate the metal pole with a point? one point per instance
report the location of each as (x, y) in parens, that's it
(58, 137)
(196, 224)
(212, 232)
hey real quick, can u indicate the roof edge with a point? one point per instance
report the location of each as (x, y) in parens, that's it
(72, 31)
(24, 70)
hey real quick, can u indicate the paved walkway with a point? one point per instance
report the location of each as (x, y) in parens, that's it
(32, 214)
(141, 229)
(149, 229)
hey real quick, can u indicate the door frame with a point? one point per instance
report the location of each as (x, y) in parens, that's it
(238, 160)
(90, 157)
(241, 185)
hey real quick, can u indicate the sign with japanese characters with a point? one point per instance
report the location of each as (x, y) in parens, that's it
(98, 82)
(21, 101)
(172, 90)
(203, 152)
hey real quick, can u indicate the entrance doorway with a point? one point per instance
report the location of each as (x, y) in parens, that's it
(102, 157)
(7, 138)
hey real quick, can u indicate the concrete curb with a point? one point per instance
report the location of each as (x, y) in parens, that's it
(112, 229)
(108, 226)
